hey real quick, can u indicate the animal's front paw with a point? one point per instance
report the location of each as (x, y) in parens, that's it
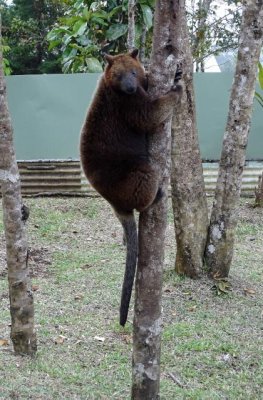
(177, 88)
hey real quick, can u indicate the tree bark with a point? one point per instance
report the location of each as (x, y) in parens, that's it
(187, 182)
(219, 249)
(21, 299)
(131, 25)
(152, 223)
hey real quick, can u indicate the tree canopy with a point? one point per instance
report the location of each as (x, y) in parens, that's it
(25, 27)
(51, 36)
(91, 28)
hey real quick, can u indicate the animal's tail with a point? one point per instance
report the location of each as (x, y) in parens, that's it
(130, 231)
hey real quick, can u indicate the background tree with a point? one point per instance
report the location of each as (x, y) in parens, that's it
(259, 98)
(25, 26)
(188, 188)
(20, 294)
(131, 25)
(213, 27)
(220, 243)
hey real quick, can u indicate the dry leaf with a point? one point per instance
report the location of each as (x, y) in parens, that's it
(86, 266)
(167, 289)
(193, 308)
(79, 296)
(127, 338)
(35, 288)
(60, 339)
(4, 342)
(249, 291)
(100, 338)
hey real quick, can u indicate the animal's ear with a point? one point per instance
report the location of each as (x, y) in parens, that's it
(134, 53)
(109, 58)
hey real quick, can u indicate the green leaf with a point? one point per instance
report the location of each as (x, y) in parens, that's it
(69, 54)
(54, 33)
(115, 31)
(260, 75)
(79, 27)
(93, 65)
(147, 15)
(86, 13)
(99, 21)
(54, 44)
(114, 11)
(259, 98)
(66, 66)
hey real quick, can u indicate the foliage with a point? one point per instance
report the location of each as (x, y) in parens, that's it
(43, 34)
(6, 65)
(259, 96)
(91, 28)
(25, 26)
(213, 27)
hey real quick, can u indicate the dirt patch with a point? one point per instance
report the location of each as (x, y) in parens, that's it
(39, 260)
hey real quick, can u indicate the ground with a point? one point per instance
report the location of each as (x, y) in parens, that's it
(212, 344)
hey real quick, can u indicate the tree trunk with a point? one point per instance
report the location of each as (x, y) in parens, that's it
(152, 224)
(188, 189)
(20, 294)
(131, 25)
(259, 192)
(143, 44)
(219, 250)
(200, 34)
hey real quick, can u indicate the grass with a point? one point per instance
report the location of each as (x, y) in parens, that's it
(212, 346)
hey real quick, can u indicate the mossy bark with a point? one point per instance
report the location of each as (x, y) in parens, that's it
(21, 299)
(220, 243)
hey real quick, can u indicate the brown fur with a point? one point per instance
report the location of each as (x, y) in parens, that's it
(114, 147)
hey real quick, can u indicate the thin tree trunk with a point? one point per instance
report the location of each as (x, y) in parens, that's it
(259, 192)
(188, 189)
(152, 223)
(143, 44)
(21, 299)
(131, 25)
(219, 250)
(199, 42)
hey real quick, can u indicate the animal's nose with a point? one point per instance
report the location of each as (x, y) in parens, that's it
(130, 89)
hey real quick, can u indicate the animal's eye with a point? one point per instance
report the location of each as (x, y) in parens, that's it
(134, 72)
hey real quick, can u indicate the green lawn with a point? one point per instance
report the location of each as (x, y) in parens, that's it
(212, 344)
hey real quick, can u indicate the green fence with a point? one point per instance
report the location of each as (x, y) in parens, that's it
(48, 110)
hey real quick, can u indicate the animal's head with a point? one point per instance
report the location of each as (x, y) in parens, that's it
(124, 73)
